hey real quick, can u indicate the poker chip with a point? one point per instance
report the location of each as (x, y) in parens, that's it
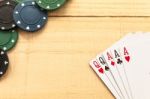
(8, 39)
(50, 4)
(19, 1)
(6, 14)
(28, 16)
(4, 62)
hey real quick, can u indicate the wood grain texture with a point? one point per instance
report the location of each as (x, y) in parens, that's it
(53, 62)
(104, 8)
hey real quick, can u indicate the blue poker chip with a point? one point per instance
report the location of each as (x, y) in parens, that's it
(29, 17)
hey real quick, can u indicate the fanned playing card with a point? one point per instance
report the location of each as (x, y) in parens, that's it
(125, 67)
(104, 77)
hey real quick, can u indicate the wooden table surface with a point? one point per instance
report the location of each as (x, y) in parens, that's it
(53, 62)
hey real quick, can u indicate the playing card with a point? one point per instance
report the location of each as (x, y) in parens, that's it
(101, 72)
(119, 63)
(113, 73)
(109, 73)
(122, 71)
(136, 56)
(113, 61)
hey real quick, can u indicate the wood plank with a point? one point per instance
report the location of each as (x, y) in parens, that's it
(53, 63)
(104, 8)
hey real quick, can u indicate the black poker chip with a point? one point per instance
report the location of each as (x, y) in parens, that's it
(6, 14)
(4, 62)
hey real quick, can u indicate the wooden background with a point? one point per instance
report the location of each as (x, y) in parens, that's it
(53, 62)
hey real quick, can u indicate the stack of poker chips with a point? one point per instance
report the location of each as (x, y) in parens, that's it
(28, 15)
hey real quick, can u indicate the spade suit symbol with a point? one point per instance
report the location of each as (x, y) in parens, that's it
(106, 68)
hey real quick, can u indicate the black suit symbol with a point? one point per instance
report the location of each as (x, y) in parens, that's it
(106, 68)
(119, 61)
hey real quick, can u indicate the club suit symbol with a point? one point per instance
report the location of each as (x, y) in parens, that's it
(119, 61)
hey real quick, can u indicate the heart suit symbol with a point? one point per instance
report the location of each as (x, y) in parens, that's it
(127, 58)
